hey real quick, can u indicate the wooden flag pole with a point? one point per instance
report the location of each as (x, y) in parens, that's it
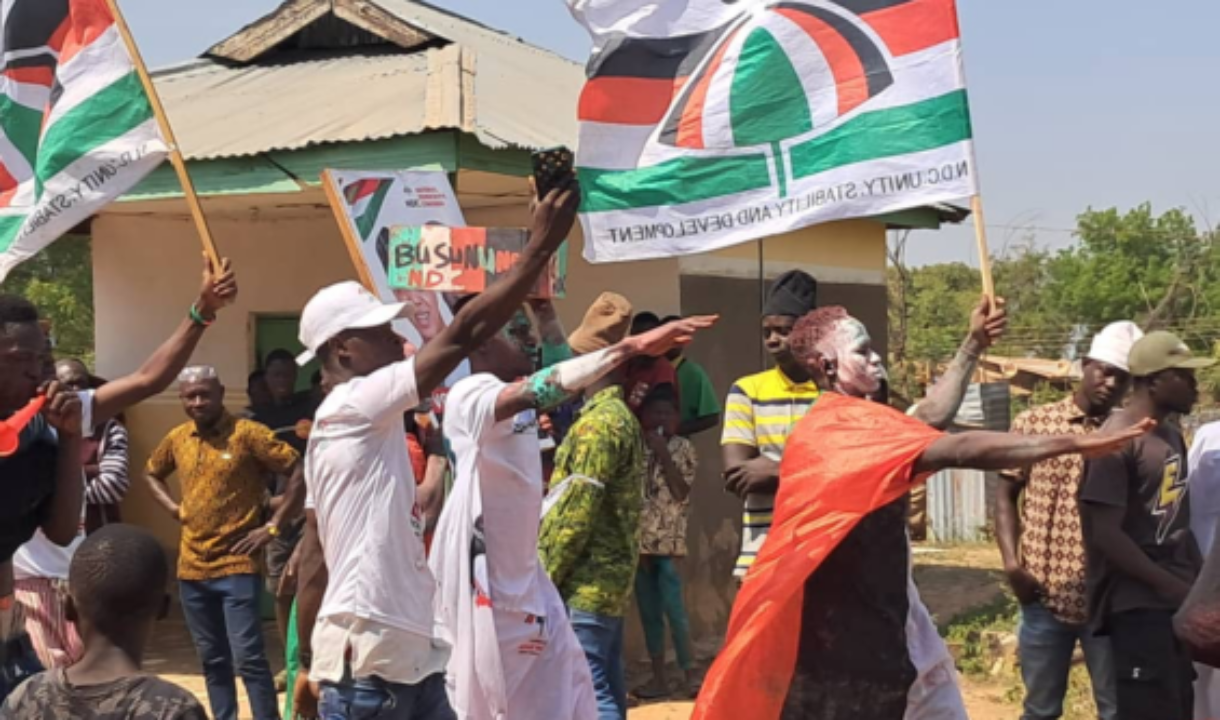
(175, 155)
(980, 235)
(333, 197)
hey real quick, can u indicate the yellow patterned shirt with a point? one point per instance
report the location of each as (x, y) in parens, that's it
(223, 475)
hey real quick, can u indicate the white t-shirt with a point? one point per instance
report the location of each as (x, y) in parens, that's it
(359, 482)
(504, 461)
(41, 558)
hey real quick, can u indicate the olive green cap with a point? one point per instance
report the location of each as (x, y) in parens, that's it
(1161, 350)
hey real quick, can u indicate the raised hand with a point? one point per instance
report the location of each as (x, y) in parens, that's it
(669, 336)
(1100, 444)
(555, 214)
(218, 288)
(988, 323)
(62, 409)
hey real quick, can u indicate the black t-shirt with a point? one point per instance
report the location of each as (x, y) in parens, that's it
(1147, 479)
(283, 419)
(853, 661)
(27, 484)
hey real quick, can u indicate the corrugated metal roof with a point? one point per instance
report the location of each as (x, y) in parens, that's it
(504, 91)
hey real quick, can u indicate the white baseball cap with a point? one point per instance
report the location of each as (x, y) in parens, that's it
(342, 306)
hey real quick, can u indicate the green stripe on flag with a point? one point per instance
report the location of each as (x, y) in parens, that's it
(673, 182)
(892, 132)
(905, 130)
(10, 225)
(21, 126)
(107, 115)
(767, 101)
(368, 219)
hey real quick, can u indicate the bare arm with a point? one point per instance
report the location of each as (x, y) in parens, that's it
(63, 412)
(431, 492)
(292, 502)
(745, 471)
(999, 451)
(162, 367)
(945, 398)
(679, 490)
(550, 387)
(1008, 521)
(1104, 524)
(312, 578)
(487, 313)
(160, 492)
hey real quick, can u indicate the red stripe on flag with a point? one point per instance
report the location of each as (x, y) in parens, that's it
(43, 76)
(690, 128)
(627, 100)
(8, 186)
(87, 20)
(915, 25)
(364, 188)
(851, 85)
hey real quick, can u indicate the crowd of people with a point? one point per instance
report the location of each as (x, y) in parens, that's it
(479, 563)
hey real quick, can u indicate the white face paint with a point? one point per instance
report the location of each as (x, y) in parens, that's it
(860, 371)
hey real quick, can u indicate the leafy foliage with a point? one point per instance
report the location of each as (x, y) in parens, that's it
(59, 281)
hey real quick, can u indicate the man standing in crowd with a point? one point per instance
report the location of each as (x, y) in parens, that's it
(47, 500)
(762, 409)
(289, 415)
(700, 410)
(1043, 548)
(372, 649)
(222, 463)
(589, 541)
(514, 652)
(827, 623)
(104, 453)
(646, 373)
(1142, 555)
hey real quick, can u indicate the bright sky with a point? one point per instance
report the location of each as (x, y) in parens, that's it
(1075, 104)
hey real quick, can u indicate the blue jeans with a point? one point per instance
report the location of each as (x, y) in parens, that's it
(601, 637)
(1046, 646)
(225, 622)
(376, 699)
(658, 593)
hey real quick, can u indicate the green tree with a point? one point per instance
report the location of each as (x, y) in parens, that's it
(59, 281)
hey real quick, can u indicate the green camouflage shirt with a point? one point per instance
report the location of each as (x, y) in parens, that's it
(589, 542)
(49, 696)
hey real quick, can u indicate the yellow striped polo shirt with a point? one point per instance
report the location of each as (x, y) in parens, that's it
(761, 411)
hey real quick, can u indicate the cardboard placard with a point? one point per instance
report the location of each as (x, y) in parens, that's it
(465, 260)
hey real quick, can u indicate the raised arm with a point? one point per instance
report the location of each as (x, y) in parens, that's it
(550, 387)
(63, 412)
(487, 313)
(1000, 451)
(219, 288)
(987, 324)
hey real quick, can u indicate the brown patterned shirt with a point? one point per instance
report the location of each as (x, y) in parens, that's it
(663, 520)
(1052, 547)
(223, 477)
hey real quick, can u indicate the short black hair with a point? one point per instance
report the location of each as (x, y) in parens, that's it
(663, 393)
(279, 355)
(16, 310)
(670, 319)
(644, 321)
(255, 377)
(118, 577)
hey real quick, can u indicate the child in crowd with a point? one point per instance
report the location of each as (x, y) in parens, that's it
(116, 592)
(658, 589)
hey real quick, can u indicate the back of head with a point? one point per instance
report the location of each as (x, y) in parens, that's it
(644, 322)
(118, 578)
(16, 310)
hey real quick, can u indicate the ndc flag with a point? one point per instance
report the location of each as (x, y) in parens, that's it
(706, 123)
(76, 129)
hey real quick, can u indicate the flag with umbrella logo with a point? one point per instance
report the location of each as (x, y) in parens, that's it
(706, 123)
(76, 129)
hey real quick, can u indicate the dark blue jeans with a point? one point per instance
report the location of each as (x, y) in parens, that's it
(375, 699)
(601, 637)
(224, 619)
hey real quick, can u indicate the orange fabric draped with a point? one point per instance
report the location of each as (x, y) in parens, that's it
(845, 459)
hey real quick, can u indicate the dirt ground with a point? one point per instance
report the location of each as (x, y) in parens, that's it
(952, 580)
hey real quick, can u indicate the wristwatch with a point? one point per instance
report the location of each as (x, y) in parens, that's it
(273, 530)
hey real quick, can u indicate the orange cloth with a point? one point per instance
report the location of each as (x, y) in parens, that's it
(845, 459)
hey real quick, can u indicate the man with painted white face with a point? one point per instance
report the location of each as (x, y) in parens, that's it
(828, 623)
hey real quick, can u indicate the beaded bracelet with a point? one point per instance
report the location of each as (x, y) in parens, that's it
(198, 318)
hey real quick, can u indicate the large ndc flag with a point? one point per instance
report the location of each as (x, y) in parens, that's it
(706, 123)
(76, 129)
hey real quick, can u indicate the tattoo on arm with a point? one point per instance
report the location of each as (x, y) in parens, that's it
(945, 398)
(550, 387)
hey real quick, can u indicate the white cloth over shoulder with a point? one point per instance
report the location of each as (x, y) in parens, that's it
(515, 656)
(1203, 464)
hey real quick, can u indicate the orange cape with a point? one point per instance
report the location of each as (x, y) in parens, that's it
(845, 459)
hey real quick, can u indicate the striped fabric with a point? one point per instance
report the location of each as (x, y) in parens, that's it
(110, 485)
(76, 129)
(760, 412)
(54, 637)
